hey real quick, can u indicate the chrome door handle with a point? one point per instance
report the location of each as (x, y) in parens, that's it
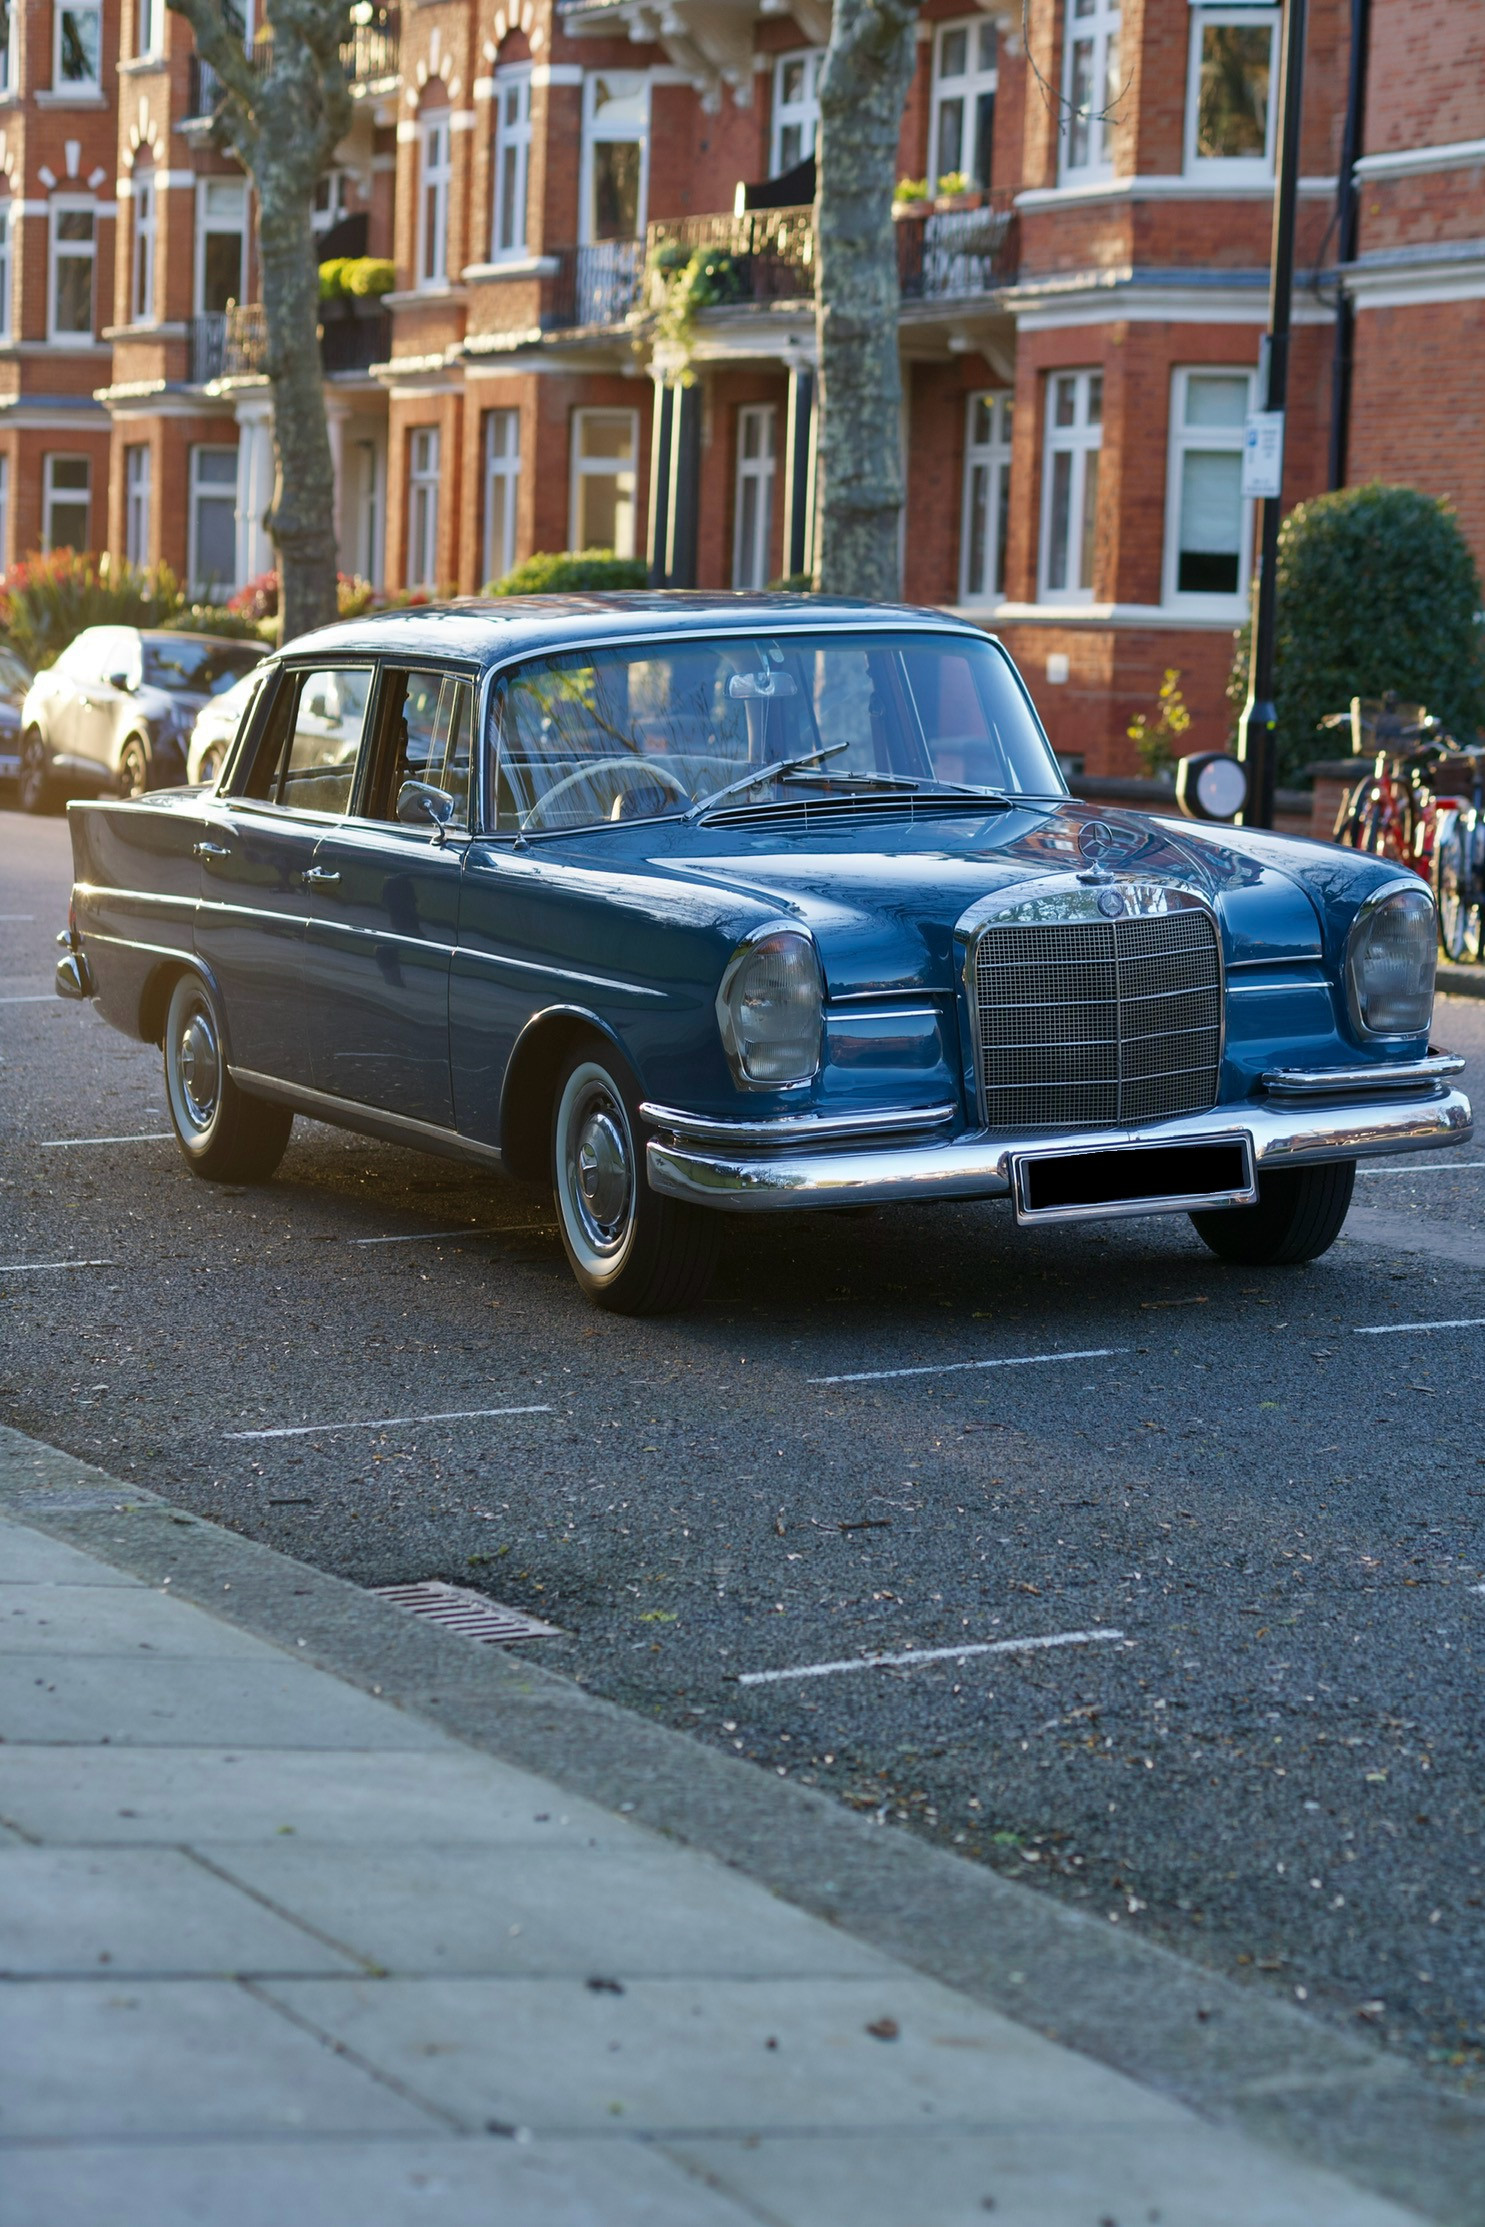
(320, 877)
(210, 850)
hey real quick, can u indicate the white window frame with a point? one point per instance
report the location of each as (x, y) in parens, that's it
(1100, 23)
(7, 49)
(51, 494)
(805, 113)
(70, 205)
(993, 458)
(4, 510)
(750, 567)
(137, 477)
(435, 178)
(149, 27)
(513, 138)
(203, 186)
(211, 491)
(968, 88)
(424, 443)
(61, 84)
(1229, 441)
(1079, 440)
(594, 467)
(7, 265)
(502, 449)
(144, 208)
(597, 133)
(325, 219)
(1224, 170)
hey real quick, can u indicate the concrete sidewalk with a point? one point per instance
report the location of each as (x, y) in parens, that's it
(280, 1952)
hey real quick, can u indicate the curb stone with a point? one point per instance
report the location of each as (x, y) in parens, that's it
(1234, 2055)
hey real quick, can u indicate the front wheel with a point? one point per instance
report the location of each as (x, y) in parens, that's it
(225, 1136)
(38, 788)
(1298, 1217)
(632, 1251)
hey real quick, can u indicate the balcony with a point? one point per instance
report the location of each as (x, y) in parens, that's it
(370, 57)
(203, 91)
(763, 255)
(235, 344)
(596, 285)
(954, 254)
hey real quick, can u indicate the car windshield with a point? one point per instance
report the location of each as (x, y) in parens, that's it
(15, 678)
(634, 731)
(195, 665)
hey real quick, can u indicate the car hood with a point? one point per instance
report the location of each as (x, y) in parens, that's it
(885, 917)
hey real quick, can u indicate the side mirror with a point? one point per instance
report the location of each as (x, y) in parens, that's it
(120, 679)
(420, 804)
(1211, 786)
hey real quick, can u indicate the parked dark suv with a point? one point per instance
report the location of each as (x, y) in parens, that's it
(115, 713)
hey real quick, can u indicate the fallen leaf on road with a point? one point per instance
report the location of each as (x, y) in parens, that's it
(883, 2029)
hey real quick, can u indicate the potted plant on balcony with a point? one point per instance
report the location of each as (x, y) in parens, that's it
(956, 190)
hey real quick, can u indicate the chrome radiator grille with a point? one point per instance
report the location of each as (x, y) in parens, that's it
(1087, 1024)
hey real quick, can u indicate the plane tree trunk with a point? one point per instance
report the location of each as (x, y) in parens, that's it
(286, 110)
(863, 86)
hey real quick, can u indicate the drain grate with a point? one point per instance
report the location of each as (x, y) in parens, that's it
(470, 1613)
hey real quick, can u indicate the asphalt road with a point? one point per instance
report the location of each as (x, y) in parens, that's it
(1276, 1769)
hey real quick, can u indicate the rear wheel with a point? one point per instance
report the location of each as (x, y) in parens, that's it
(1298, 1217)
(38, 788)
(1459, 919)
(134, 768)
(225, 1136)
(632, 1251)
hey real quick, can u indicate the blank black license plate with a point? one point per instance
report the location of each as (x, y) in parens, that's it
(1134, 1179)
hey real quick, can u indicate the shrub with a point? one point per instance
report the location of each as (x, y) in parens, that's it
(215, 618)
(1377, 589)
(258, 601)
(356, 276)
(1155, 739)
(46, 600)
(564, 573)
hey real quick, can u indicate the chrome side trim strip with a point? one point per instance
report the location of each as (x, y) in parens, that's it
(979, 1165)
(1334, 1082)
(797, 1128)
(370, 1121)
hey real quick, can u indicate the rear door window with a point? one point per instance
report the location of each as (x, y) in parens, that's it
(308, 753)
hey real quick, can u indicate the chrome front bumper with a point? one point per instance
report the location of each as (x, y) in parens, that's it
(750, 1172)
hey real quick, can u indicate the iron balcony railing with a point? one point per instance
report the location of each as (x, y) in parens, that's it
(245, 352)
(947, 254)
(761, 255)
(235, 344)
(596, 285)
(370, 56)
(357, 341)
(203, 90)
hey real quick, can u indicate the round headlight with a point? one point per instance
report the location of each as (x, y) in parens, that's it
(770, 1009)
(1390, 964)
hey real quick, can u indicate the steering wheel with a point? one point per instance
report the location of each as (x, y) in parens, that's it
(630, 769)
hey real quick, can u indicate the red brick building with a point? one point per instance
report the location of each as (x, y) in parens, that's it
(1082, 302)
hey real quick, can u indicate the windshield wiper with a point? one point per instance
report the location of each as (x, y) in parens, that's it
(770, 772)
(932, 786)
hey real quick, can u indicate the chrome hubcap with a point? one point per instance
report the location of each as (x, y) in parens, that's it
(200, 1069)
(602, 1180)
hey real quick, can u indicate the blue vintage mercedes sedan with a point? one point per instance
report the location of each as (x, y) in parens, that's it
(703, 904)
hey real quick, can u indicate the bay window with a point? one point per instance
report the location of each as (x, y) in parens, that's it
(964, 80)
(5, 269)
(77, 50)
(142, 269)
(987, 499)
(616, 155)
(149, 27)
(137, 504)
(1090, 88)
(213, 522)
(221, 243)
(757, 446)
(66, 484)
(512, 160)
(502, 486)
(1074, 439)
(1231, 92)
(1208, 526)
(605, 445)
(796, 107)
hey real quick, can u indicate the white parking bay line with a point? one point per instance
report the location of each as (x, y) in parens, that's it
(387, 1422)
(31, 1267)
(944, 1368)
(932, 1655)
(36, 997)
(1390, 1329)
(153, 1136)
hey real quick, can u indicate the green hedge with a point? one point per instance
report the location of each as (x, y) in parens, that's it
(356, 275)
(560, 573)
(1377, 589)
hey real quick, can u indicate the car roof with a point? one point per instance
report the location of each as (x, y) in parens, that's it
(490, 629)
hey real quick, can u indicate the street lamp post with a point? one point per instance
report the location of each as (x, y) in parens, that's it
(1258, 727)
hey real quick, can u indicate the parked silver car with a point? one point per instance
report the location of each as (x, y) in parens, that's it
(15, 679)
(114, 714)
(215, 731)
